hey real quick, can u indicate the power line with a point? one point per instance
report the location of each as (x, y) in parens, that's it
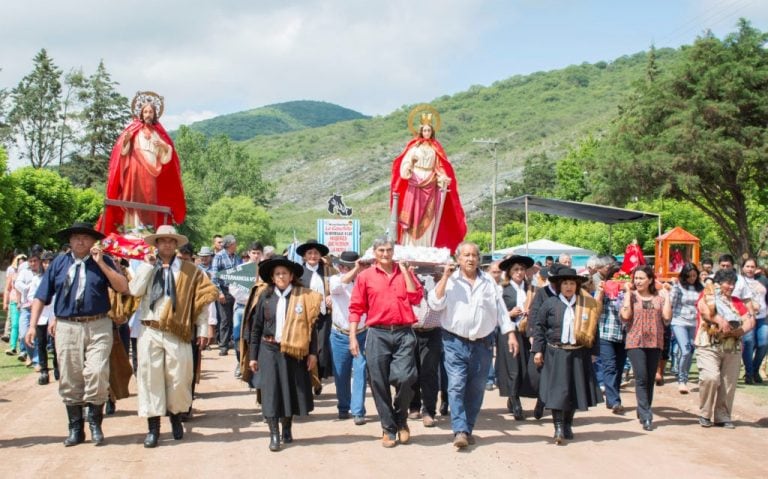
(705, 20)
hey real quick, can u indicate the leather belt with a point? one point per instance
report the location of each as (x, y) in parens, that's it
(462, 338)
(151, 324)
(84, 319)
(269, 339)
(346, 331)
(566, 347)
(425, 330)
(391, 327)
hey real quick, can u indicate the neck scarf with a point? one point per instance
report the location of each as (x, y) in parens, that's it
(568, 336)
(316, 284)
(76, 270)
(163, 284)
(282, 304)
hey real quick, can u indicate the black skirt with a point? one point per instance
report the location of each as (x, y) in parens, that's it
(568, 380)
(512, 373)
(286, 387)
(324, 356)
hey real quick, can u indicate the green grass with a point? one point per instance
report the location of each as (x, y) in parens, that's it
(10, 367)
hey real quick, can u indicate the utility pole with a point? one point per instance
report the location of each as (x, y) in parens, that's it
(490, 146)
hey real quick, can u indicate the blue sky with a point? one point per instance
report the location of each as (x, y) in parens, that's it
(210, 58)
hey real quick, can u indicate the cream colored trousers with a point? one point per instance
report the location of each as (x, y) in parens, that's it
(165, 373)
(83, 351)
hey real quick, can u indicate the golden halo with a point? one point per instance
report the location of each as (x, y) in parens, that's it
(428, 112)
(143, 97)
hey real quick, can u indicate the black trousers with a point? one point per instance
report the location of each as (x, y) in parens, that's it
(429, 346)
(644, 362)
(42, 348)
(225, 313)
(391, 361)
(196, 358)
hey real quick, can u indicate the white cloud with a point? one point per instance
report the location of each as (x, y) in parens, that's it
(228, 56)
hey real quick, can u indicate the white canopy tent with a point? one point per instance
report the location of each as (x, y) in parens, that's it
(543, 247)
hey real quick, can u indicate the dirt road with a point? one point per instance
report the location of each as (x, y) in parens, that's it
(227, 438)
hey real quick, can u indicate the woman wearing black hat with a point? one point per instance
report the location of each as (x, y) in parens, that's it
(315, 275)
(512, 371)
(564, 337)
(283, 346)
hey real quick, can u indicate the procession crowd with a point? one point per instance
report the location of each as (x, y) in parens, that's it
(423, 338)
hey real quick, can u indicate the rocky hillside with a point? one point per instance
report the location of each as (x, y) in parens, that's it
(542, 112)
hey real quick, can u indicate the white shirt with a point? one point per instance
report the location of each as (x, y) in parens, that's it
(340, 295)
(26, 284)
(472, 311)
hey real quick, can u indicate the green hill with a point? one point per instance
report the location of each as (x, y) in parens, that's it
(544, 112)
(277, 118)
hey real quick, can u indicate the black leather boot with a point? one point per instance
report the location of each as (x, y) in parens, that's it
(568, 424)
(274, 434)
(154, 432)
(517, 408)
(110, 407)
(538, 410)
(557, 420)
(177, 428)
(95, 418)
(76, 426)
(287, 422)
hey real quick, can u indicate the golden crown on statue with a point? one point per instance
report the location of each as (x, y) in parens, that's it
(428, 115)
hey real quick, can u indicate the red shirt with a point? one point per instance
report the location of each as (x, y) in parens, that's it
(384, 298)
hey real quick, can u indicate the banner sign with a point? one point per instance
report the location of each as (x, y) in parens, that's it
(339, 235)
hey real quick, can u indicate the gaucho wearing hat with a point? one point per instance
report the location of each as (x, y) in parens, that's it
(80, 280)
(315, 275)
(563, 345)
(175, 296)
(512, 371)
(283, 344)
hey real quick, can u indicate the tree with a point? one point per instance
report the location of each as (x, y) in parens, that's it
(698, 133)
(34, 118)
(5, 128)
(8, 202)
(47, 204)
(89, 204)
(572, 171)
(221, 166)
(240, 216)
(104, 114)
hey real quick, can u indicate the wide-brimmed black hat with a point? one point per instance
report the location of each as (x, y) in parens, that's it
(347, 258)
(564, 273)
(516, 259)
(267, 267)
(312, 244)
(81, 229)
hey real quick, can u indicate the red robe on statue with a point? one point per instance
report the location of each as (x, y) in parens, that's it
(419, 203)
(633, 257)
(136, 177)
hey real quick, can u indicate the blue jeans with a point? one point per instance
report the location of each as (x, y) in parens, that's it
(684, 335)
(24, 321)
(345, 368)
(491, 369)
(466, 364)
(237, 321)
(612, 356)
(755, 347)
